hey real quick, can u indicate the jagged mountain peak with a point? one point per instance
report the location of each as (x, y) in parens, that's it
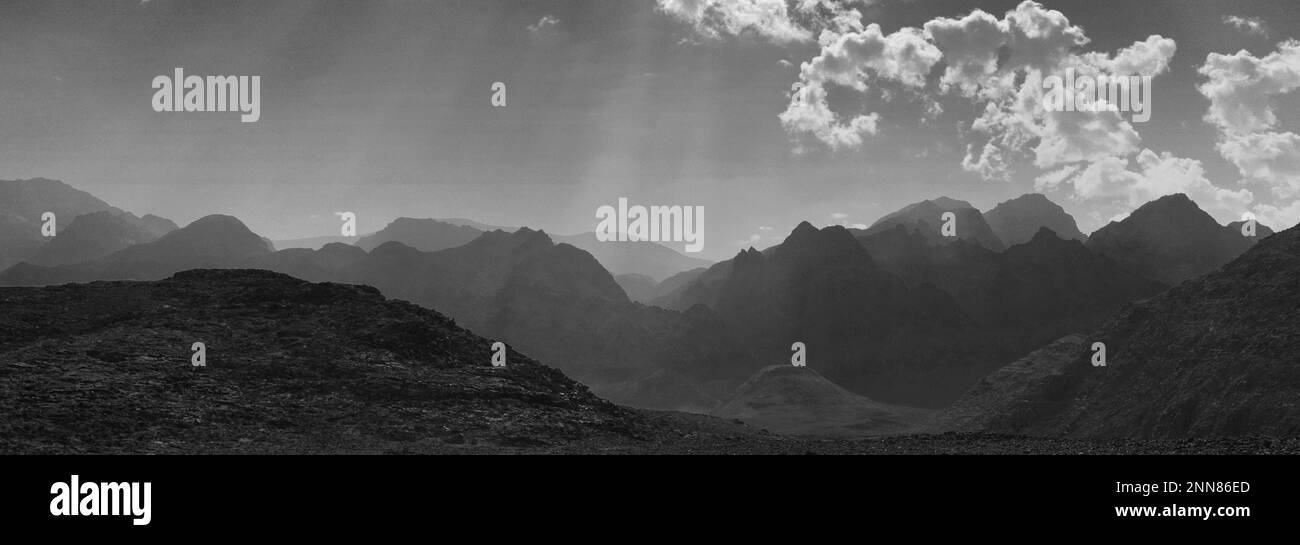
(1017, 221)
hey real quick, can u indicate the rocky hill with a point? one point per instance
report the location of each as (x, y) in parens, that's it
(798, 400)
(291, 367)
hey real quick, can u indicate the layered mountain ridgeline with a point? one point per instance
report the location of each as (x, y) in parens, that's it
(95, 235)
(210, 242)
(1171, 240)
(647, 258)
(428, 235)
(313, 243)
(291, 367)
(864, 328)
(638, 287)
(1213, 356)
(1026, 296)
(23, 202)
(1017, 221)
(799, 400)
(926, 217)
(552, 300)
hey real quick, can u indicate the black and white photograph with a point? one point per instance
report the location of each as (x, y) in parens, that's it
(889, 229)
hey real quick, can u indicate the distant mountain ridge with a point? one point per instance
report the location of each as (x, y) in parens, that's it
(95, 235)
(22, 202)
(926, 217)
(647, 258)
(427, 235)
(215, 241)
(1017, 221)
(1171, 240)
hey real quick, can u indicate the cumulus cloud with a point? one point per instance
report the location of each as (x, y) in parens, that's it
(714, 18)
(997, 62)
(809, 115)
(1241, 86)
(1249, 25)
(1242, 91)
(1269, 157)
(1149, 57)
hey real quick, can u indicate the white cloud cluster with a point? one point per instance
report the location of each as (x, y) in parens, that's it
(781, 21)
(714, 18)
(1000, 63)
(1249, 25)
(1243, 90)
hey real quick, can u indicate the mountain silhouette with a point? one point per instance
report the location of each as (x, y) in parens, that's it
(1171, 240)
(1026, 296)
(1017, 221)
(554, 301)
(95, 235)
(799, 400)
(647, 258)
(428, 235)
(1212, 356)
(638, 287)
(926, 217)
(214, 241)
(870, 331)
(22, 203)
(314, 243)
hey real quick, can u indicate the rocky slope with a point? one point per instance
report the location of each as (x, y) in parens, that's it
(291, 367)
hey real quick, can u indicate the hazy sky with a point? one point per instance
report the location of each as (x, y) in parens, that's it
(383, 108)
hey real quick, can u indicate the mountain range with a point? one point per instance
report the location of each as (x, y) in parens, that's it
(896, 314)
(1212, 356)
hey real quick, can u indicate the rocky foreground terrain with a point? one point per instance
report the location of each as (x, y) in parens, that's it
(297, 367)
